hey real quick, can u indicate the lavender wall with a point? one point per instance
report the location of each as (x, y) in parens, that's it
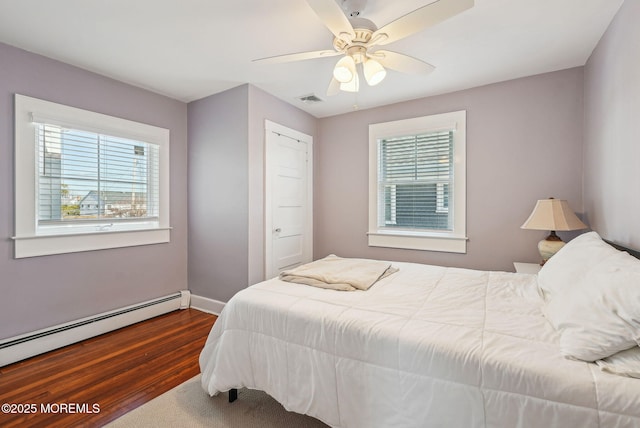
(43, 291)
(218, 194)
(612, 130)
(226, 187)
(524, 142)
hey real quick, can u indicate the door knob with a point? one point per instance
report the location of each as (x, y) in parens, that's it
(278, 230)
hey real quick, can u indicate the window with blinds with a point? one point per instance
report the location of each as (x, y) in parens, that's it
(87, 181)
(91, 177)
(415, 181)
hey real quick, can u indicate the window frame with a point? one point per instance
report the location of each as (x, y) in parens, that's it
(28, 242)
(454, 241)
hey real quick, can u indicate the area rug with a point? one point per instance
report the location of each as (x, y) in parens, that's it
(187, 405)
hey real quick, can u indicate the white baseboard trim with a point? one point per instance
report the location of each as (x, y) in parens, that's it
(27, 345)
(206, 304)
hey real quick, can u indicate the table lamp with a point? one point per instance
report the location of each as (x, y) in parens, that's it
(552, 214)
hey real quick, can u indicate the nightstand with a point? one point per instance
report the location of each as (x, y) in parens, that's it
(527, 267)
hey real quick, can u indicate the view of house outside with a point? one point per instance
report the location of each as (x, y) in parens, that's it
(86, 176)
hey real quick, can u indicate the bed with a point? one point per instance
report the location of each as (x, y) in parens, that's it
(431, 346)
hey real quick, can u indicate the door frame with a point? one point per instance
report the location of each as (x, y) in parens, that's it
(271, 129)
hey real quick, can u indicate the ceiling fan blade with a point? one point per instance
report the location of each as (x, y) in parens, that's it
(401, 62)
(300, 56)
(424, 17)
(333, 18)
(334, 87)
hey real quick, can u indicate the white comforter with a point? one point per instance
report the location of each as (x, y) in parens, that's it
(425, 347)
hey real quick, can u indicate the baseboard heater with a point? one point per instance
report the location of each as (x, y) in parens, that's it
(27, 345)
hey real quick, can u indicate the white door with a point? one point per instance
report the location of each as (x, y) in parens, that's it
(288, 199)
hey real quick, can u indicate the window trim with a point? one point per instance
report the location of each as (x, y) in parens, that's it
(454, 241)
(30, 244)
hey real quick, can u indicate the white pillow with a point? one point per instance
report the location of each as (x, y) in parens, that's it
(625, 363)
(599, 315)
(569, 265)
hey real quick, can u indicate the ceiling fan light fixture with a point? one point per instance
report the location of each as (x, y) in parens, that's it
(355, 38)
(374, 72)
(351, 86)
(345, 69)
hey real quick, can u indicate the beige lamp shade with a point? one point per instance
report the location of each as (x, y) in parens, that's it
(553, 214)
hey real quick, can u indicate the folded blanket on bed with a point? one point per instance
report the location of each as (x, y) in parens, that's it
(339, 273)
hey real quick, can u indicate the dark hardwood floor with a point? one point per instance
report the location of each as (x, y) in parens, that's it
(93, 382)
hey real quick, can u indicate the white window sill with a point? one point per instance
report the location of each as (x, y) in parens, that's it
(42, 245)
(71, 228)
(418, 241)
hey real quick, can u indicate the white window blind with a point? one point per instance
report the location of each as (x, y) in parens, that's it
(415, 181)
(88, 177)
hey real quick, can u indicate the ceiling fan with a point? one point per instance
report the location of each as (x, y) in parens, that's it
(357, 40)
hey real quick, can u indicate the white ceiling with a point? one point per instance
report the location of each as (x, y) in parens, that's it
(189, 49)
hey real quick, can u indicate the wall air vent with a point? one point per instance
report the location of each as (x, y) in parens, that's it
(310, 99)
